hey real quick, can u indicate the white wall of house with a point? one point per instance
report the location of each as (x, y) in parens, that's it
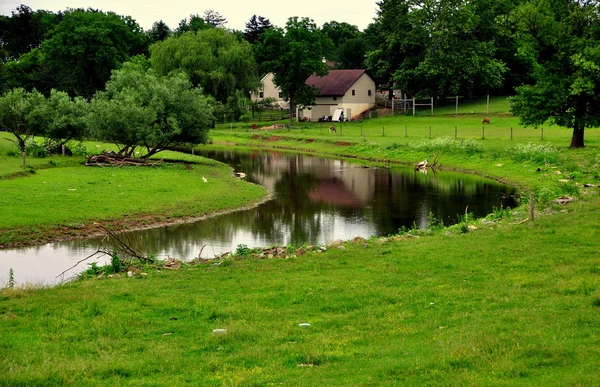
(359, 98)
(268, 90)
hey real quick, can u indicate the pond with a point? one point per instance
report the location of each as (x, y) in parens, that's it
(315, 201)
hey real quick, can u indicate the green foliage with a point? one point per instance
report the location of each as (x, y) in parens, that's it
(32, 148)
(292, 56)
(84, 48)
(435, 48)
(17, 115)
(447, 144)
(538, 153)
(561, 45)
(11, 279)
(115, 263)
(214, 59)
(140, 108)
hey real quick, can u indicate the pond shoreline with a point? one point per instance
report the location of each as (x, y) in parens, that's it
(136, 223)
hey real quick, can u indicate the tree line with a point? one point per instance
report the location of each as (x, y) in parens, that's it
(545, 52)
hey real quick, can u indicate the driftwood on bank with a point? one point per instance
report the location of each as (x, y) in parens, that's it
(114, 159)
(423, 165)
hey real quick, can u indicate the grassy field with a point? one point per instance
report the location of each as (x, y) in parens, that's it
(60, 195)
(502, 303)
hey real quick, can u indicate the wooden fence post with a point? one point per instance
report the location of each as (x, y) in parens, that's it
(405, 131)
(430, 132)
(455, 131)
(483, 132)
(511, 133)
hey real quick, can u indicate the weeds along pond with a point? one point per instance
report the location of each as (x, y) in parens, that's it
(315, 201)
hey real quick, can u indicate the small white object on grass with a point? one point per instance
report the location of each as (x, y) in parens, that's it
(204, 179)
(219, 330)
(304, 324)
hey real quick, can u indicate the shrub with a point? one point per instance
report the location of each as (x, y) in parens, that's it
(538, 153)
(447, 144)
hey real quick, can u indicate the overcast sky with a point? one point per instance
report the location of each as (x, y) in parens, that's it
(237, 12)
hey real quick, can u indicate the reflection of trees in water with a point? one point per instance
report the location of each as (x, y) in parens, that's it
(400, 199)
(309, 189)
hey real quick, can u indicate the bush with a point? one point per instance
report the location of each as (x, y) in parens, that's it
(538, 153)
(34, 149)
(447, 144)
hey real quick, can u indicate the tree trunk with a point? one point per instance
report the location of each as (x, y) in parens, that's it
(291, 112)
(577, 139)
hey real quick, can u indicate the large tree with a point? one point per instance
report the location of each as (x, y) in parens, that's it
(349, 45)
(255, 27)
(139, 108)
(293, 55)
(561, 41)
(25, 30)
(435, 47)
(159, 32)
(214, 18)
(83, 49)
(60, 118)
(215, 59)
(16, 108)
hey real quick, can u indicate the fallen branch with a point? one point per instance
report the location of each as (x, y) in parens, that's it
(115, 159)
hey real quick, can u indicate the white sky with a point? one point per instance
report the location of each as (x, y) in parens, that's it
(237, 12)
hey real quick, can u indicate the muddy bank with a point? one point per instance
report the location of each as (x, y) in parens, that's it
(35, 236)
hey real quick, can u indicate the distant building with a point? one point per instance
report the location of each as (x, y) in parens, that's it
(353, 91)
(269, 90)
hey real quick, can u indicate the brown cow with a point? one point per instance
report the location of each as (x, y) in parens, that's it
(485, 121)
(332, 128)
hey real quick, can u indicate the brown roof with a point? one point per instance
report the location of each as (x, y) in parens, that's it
(336, 83)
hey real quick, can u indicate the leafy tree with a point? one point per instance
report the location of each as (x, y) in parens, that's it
(24, 30)
(214, 18)
(16, 108)
(255, 27)
(293, 55)
(142, 109)
(193, 23)
(159, 32)
(561, 41)
(435, 47)
(60, 119)
(215, 59)
(86, 46)
(391, 40)
(454, 59)
(348, 47)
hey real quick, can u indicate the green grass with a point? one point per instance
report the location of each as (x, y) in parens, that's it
(68, 195)
(506, 304)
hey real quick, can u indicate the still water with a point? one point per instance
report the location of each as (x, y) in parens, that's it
(315, 200)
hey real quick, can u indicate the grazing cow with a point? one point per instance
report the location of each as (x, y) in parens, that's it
(332, 128)
(485, 121)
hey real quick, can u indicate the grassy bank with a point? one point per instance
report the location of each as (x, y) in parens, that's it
(505, 305)
(501, 303)
(60, 198)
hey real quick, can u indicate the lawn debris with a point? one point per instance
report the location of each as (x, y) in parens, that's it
(112, 159)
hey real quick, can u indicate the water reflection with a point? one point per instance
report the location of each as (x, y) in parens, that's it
(316, 200)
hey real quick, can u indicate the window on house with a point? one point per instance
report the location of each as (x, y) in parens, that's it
(353, 92)
(261, 95)
(279, 94)
(369, 92)
(335, 98)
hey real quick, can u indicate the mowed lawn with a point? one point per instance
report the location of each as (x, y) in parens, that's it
(503, 303)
